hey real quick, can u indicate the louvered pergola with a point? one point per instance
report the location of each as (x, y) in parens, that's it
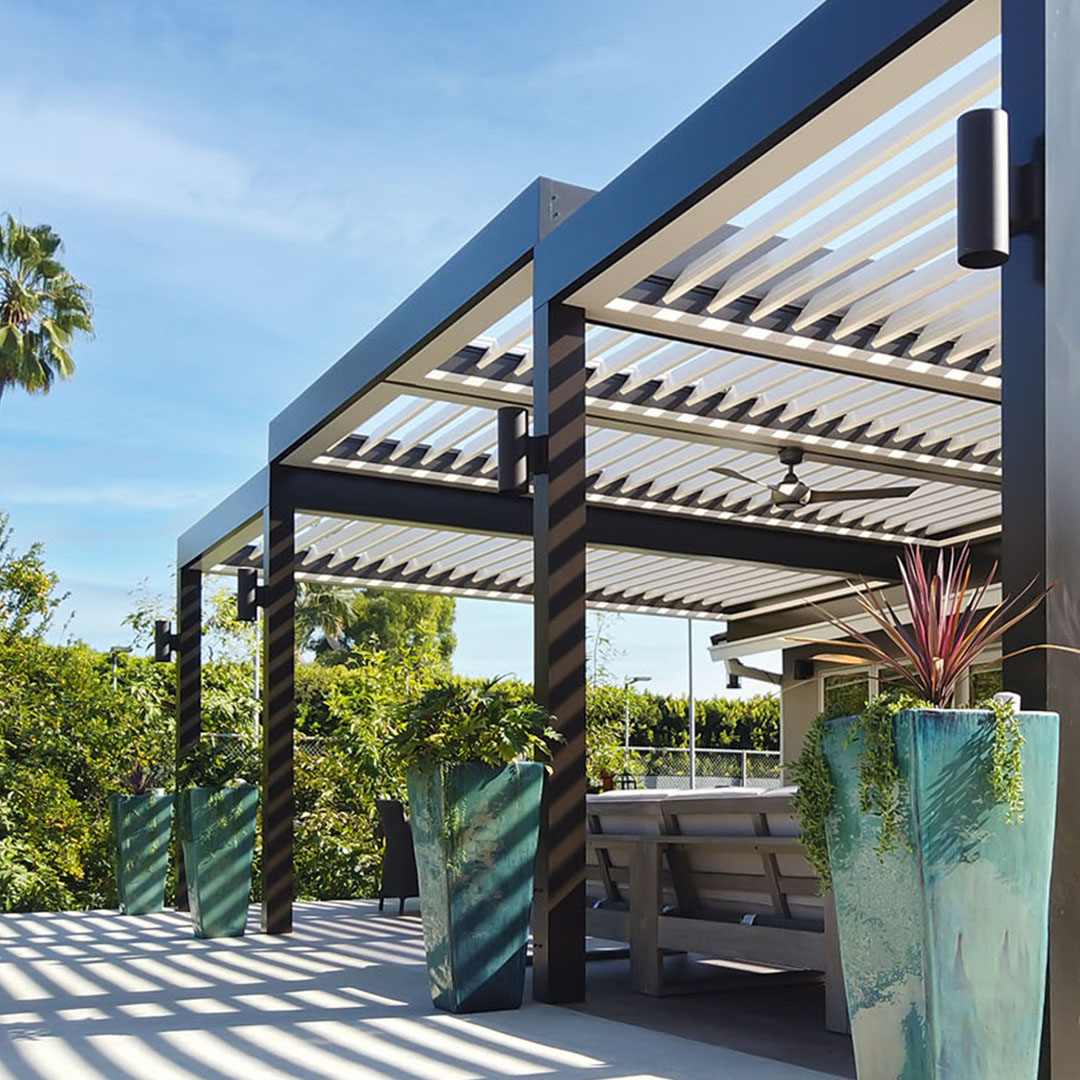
(779, 272)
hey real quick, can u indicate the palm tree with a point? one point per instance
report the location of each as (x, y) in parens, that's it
(322, 614)
(42, 307)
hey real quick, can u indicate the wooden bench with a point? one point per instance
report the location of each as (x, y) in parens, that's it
(720, 873)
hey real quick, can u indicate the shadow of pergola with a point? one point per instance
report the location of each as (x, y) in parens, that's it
(97, 996)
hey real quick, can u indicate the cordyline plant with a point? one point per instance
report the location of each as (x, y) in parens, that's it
(948, 629)
(947, 632)
(139, 781)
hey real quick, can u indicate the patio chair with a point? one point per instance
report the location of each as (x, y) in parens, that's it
(398, 877)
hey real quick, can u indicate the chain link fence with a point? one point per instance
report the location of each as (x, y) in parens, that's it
(648, 766)
(669, 767)
(243, 751)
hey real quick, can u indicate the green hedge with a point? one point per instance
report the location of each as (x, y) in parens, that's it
(72, 725)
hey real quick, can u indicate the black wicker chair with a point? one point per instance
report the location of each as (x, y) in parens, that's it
(399, 860)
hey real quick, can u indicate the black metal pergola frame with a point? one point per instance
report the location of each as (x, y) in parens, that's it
(558, 246)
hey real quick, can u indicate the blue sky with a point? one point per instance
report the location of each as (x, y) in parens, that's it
(249, 187)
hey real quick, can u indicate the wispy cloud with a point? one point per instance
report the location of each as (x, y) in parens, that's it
(148, 496)
(95, 152)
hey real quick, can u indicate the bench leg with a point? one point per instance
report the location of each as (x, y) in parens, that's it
(836, 1010)
(646, 962)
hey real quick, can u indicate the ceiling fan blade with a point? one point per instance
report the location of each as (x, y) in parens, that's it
(852, 494)
(739, 476)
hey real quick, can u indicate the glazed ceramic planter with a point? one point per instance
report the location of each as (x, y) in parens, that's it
(944, 946)
(475, 832)
(217, 830)
(139, 830)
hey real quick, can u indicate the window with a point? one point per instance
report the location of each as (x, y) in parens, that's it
(985, 682)
(847, 694)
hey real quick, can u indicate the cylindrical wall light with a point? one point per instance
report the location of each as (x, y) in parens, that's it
(982, 188)
(513, 426)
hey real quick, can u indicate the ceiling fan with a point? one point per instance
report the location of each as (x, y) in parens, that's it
(791, 492)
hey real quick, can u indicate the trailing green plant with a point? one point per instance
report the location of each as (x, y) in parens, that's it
(880, 783)
(455, 722)
(1006, 758)
(813, 799)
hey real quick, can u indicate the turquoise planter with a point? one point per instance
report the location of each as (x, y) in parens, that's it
(475, 831)
(217, 830)
(944, 945)
(139, 830)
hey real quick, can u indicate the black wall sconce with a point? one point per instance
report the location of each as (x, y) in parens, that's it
(165, 641)
(734, 682)
(249, 595)
(521, 455)
(993, 200)
(803, 670)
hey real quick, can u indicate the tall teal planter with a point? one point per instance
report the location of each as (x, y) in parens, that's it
(944, 946)
(217, 830)
(139, 831)
(475, 832)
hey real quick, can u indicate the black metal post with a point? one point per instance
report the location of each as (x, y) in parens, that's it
(188, 688)
(1040, 406)
(279, 662)
(559, 641)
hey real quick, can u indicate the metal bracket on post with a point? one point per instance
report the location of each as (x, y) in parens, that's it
(537, 447)
(250, 595)
(165, 641)
(521, 455)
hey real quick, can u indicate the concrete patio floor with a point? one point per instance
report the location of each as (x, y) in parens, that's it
(95, 996)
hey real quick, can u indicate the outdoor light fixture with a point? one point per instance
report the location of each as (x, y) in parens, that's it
(249, 595)
(627, 682)
(165, 641)
(993, 201)
(982, 189)
(521, 455)
(734, 682)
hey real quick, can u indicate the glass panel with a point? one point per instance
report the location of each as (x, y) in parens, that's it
(985, 682)
(846, 695)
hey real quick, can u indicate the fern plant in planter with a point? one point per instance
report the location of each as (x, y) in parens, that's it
(934, 826)
(474, 761)
(217, 811)
(140, 823)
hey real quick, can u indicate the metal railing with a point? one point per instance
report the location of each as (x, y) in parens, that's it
(669, 767)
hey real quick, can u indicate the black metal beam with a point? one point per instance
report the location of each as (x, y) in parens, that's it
(188, 687)
(559, 538)
(279, 711)
(836, 47)
(700, 537)
(489, 259)
(1041, 445)
(764, 618)
(351, 494)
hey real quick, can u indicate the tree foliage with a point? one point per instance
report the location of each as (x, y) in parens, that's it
(42, 308)
(664, 720)
(332, 621)
(74, 722)
(28, 597)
